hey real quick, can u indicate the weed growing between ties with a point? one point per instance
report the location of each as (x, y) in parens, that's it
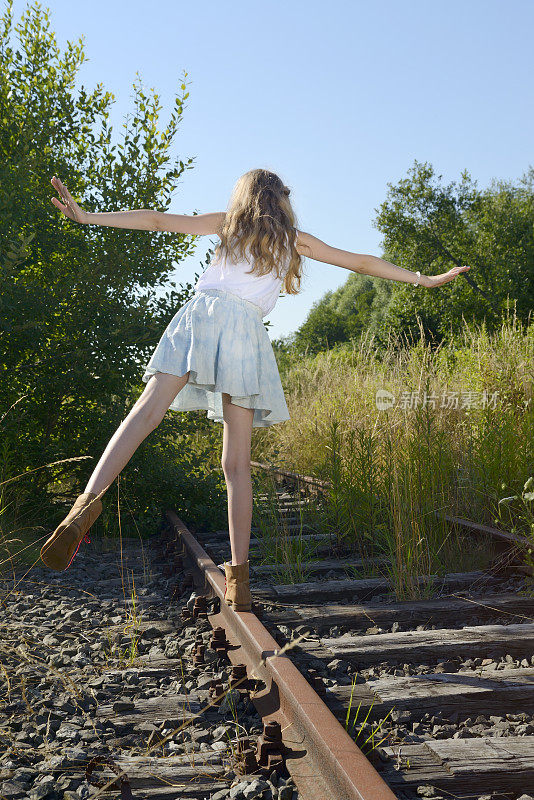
(375, 736)
(278, 544)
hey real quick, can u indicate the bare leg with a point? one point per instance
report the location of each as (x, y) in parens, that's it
(144, 416)
(236, 467)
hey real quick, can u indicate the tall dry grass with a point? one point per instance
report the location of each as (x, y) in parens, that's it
(457, 436)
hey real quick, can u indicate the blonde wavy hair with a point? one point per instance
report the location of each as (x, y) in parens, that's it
(259, 219)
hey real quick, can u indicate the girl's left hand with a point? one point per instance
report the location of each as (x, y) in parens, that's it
(445, 277)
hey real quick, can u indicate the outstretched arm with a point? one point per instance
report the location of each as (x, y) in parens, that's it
(145, 219)
(312, 247)
(198, 225)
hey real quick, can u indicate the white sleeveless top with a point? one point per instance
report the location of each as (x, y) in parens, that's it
(262, 290)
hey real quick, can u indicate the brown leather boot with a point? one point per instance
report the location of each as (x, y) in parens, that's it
(62, 545)
(237, 592)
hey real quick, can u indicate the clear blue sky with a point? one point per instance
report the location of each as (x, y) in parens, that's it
(338, 98)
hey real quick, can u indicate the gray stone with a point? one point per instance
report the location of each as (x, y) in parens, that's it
(25, 775)
(200, 736)
(237, 790)
(151, 633)
(73, 616)
(123, 707)
(13, 789)
(255, 788)
(273, 777)
(220, 732)
(80, 660)
(173, 649)
(219, 746)
(40, 791)
(48, 780)
(285, 793)
(524, 730)
(229, 702)
(68, 733)
(463, 733)
(203, 680)
(191, 602)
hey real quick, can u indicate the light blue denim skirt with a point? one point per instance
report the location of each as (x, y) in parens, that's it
(221, 340)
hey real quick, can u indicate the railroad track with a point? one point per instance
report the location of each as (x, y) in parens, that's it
(128, 677)
(123, 676)
(448, 681)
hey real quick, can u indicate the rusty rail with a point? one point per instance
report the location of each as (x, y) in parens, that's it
(326, 764)
(295, 476)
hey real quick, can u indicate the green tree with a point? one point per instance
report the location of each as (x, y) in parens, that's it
(341, 314)
(79, 314)
(323, 327)
(432, 227)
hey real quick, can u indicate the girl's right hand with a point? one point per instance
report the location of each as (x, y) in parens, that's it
(71, 209)
(439, 280)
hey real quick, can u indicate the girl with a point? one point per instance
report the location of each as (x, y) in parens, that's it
(215, 353)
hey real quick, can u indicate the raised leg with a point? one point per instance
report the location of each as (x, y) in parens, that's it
(144, 416)
(237, 434)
